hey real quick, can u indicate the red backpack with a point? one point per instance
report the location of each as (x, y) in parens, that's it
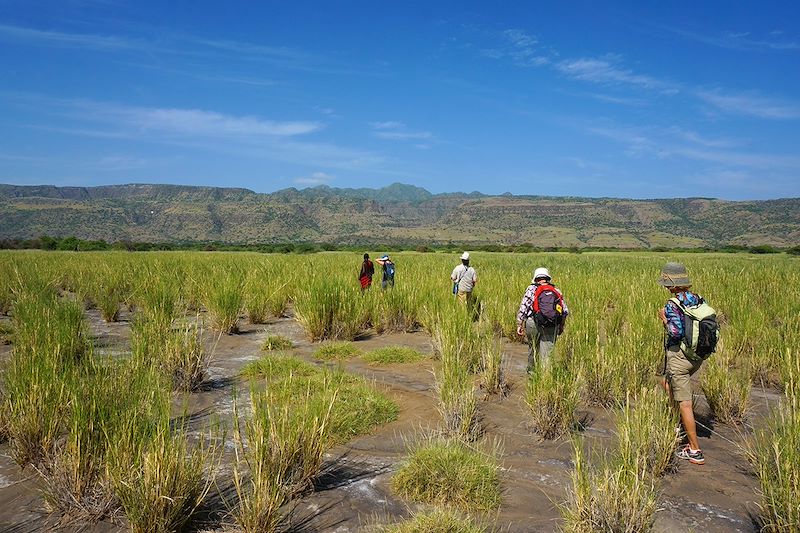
(548, 306)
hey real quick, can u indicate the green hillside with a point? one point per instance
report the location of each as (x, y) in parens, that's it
(398, 213)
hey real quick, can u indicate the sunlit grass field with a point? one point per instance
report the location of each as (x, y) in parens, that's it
(54, 386)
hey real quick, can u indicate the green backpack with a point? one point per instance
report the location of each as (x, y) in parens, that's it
(700, 330)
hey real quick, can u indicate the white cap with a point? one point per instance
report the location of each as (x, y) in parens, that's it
(541, 272)
(465, 256)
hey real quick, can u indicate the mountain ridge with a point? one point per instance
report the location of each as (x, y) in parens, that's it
(397, 213)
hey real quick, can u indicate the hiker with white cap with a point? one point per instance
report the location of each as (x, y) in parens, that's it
(388, 271)
(541, 318)
(464, 279)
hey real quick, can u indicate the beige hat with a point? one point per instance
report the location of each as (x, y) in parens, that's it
(674, 275)
(541, 272)
(465, 256)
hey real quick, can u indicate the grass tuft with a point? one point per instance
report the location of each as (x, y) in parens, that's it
(435, 521)
(727, 390)
(392, 354)
(276, 342)
(336, 350)
(450, 472)
(552, 396)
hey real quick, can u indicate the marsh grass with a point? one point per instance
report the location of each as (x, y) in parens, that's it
(614, 495)
(276, 343)
(450, 472)
(277, 366)
(493, 373)
(35, 400)
(437, 520)
(727, 390)
(6, 332)
(223, 297)
(552, 397)
(109, 289)
(359, 406)
(161, 490)
(336, 351)
(646, 431)
(43, 323)
(186, 360)
(456, 338)
(331, 309)
(256, 295)
(75, 471)
(457, 403)
(774, 452)
(392, 355)
(50, 341)
(279, 452)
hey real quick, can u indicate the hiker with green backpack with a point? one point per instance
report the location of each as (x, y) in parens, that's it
(691, 333)
(541, 318)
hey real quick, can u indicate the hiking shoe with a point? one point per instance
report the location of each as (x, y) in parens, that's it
(694, 457)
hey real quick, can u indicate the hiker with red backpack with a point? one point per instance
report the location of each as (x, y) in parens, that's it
(541, 318)
(691, 336)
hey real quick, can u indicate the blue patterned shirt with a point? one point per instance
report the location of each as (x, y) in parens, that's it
(675, 316)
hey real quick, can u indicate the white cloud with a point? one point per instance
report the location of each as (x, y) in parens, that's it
(199, 122)
(193, 129)
(403, 135)
(740, 40)
(397, 131)
(317, 178)
(750, 104)
(78, 40)
(388, 125)
(606, 71)
(675, 142)
(519, 46)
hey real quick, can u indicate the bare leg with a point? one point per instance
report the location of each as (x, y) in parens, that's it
(687, 417)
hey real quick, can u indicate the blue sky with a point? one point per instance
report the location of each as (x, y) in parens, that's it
(625, 99)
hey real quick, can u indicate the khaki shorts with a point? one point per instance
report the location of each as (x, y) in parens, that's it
(678, 372)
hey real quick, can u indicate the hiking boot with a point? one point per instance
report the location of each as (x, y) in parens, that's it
(694, 457)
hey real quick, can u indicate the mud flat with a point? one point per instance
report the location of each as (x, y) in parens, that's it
(354, 490)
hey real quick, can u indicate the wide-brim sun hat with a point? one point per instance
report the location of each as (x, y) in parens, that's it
(465, 256)
(541, 272)
(385, 258)
(674, 275)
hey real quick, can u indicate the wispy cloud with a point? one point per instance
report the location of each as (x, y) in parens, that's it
(97, 42)
(740, 40)
(180, 45)
(209, 123)
(621, 100)
(665, 143)
(608, 71)
(316, 178)
(519, 46)
(750, 104)
(194, 129)
(388, 125)
(397, 131)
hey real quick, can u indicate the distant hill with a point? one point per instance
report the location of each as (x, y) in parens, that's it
(399, 213)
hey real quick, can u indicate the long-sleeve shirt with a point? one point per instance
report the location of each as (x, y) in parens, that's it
(526, 306)
(674, 314)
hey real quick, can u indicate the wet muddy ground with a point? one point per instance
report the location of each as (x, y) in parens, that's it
(355, 491)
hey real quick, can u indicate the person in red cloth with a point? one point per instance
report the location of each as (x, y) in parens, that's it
(367, 271)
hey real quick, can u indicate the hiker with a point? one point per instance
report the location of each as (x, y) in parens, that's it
(541, 318)
(678, 368)
(464, 279)
(366, 273)
(388, 271)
